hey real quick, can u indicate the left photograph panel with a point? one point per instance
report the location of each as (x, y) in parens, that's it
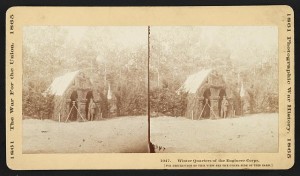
(84, 89)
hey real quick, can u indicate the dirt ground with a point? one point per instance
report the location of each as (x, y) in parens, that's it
(252, 133)
(117, 135)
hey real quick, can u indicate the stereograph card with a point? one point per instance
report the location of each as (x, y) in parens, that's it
(150, 87)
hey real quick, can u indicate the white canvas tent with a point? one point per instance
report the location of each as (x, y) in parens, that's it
(62, 83)
(194, 81)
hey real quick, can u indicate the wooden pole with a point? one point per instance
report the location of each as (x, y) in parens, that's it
(212, 111)
(202, 111)
(192, 114)
(241, 107)
(70, 111)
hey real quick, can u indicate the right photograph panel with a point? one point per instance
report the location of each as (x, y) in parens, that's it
(214, 89)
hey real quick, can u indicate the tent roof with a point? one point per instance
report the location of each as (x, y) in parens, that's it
(61, 83)
(194, 81)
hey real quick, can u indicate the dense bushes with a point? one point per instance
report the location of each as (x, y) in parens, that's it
(36, 104)
(269, 103)
(166, 102)
(137, 105)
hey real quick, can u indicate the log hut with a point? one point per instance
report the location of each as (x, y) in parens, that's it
(205, 90)
(62, 88)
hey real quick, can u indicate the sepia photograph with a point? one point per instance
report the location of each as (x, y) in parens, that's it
(84, 89)
(150, 88)
(214, 89)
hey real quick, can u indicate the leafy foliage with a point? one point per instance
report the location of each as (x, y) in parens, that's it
(166, 102)
(36, 104)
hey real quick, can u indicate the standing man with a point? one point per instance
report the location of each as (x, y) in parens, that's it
(206, 109)
(88, 98)
(92, 110)
(224, 106)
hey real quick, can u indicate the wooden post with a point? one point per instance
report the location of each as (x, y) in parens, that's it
(241, 107)
(192, 114)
